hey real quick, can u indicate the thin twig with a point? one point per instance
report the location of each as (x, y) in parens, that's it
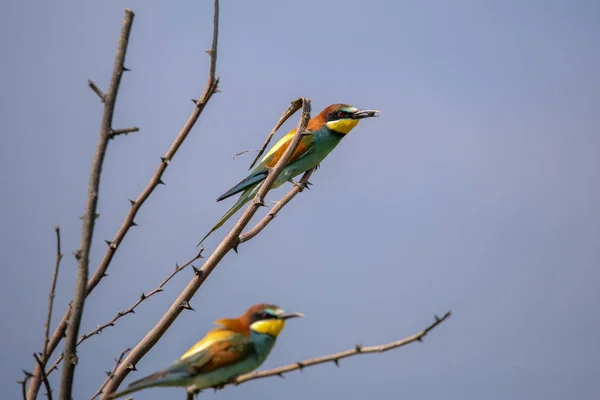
(278, 206)
(23, 383)
(129, 221)
(131, 310)
(96, 90)
(244, 152)
(295, 106)
(335, 358)
(44, 377)
(110, 374)
(141, 299)
(89, 219)
(230, 242)
(51, 296)
(125, 131)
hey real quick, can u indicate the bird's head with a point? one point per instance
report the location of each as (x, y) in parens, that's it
(342, 118)
(268, 319)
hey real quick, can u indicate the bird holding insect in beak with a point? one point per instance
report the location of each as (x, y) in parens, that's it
(238, 347)
(325, 131)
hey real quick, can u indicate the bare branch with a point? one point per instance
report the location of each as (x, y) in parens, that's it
(335, 358)
(23, 383)
(141, 299)
(44, 377)
(210, 89)
(93, 86)
(126, 131)
(278, 206)
(296, 105)
(52, 294)
(230, 242)
(110, 374)
(89, 219)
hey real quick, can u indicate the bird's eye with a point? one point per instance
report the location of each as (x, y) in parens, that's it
(340, 114)
(265, 315)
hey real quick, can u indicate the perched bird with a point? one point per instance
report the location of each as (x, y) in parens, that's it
(326, 130)
(239, 346)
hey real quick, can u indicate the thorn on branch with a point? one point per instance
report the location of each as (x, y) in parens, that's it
(132, 201)
(186, 306)
(160, 182)
(300, 365)
(125, 131)
(111, 244)
(336, 361)
(260, 203)
(131, 367)
(125, 69)
(96, 90)
(165, 160)
(197, 272)
(358, 348)
(133, 223)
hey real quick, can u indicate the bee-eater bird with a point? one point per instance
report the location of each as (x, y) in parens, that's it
(325, 130)
(239, 346)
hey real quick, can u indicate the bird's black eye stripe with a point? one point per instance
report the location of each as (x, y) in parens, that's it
(335, 115)
(260, 316)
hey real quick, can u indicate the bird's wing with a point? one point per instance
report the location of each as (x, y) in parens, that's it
(306, 145)
(220, 348)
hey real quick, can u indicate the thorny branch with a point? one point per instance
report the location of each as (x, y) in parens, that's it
(142, 298)
(335, 358)
(44, 377)
(230, 242)
(116, 132)
(130, 310)
(110, 374)
(59, 256)
(136, 204)
(23, 383)
(89, 218)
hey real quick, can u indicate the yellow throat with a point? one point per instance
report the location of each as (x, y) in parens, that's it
(342, 125)
(269, 326)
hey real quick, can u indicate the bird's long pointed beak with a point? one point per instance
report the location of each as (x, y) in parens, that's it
(365, 114)
(287, 315)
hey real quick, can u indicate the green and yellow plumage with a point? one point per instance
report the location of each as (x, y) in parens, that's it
(326, 130)
(239, 346)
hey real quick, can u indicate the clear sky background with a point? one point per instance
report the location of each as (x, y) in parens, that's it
(477, 190)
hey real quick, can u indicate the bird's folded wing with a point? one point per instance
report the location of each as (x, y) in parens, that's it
(218, 349)
(306, 145)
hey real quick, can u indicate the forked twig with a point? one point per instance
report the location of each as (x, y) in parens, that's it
(44, 377)
(278, 206)
(295, 106)
(110, 374)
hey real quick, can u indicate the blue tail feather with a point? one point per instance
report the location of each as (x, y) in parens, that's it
(245, 184)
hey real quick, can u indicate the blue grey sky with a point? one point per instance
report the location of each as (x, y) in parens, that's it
(476, 190)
